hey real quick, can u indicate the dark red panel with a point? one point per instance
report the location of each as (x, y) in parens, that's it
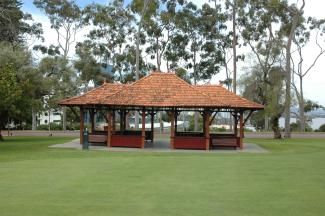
(182, 142)
(126, 141)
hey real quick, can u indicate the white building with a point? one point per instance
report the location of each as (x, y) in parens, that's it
(54, 117)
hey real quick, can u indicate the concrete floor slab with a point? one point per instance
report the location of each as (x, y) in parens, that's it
(162, 146)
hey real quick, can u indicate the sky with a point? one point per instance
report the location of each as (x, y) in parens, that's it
(314, 82)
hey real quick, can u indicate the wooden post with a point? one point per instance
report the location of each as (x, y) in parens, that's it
(126, 120)
(113, 122)
(92, 119)
(172, 132)
(175, 116)
(207, 130)
(81, 124)
(109, 128)
(143, 129)
(204, 122)
(236, 125)
(121, 119)
(241, 129)
(152, 125)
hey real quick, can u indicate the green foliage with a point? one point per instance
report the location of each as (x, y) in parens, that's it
(9, 90)
(183, 74)
(21, 86)
(55, 126)
(322, 128)
(216, 129)
(46, 127)
(295, 127)
(268, 90)
(200, 123)
(15, 25)
(107, 47)
(60, 13)
(311, 105)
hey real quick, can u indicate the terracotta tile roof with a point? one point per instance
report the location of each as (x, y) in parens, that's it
(106, 89)
(227, 97)
(162, 90)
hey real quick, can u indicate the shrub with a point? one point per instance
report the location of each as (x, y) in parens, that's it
(322, 128)
(54, 126)
(215, 129)
(73, 126)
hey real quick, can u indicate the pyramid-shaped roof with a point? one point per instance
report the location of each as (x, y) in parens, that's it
(162, 90)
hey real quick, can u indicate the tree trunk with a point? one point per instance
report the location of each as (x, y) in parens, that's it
(196, 114)
(49, 120)
(275, 126)
(234, 40)
(34, 120)
(136, 120)
(196, 121)
(137, 54)
(8, 127)
(1, 137)
(161, 122)
(301, 107)
(157, 55)
(266, 123)
(287, 104)
(64, 118)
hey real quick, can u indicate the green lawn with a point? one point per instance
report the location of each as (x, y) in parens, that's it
(37, 180)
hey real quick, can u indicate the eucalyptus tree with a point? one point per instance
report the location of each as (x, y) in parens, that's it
(86, 64)
(142, 11)
(109, 40)
(161, 29)
(259, 24)
(302, 38)
(295, 18)
(66, 19)
(213, 28)
(257, 89)
(199, 41)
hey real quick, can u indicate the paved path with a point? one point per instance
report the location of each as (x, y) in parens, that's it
(162, 146)
(76, 134)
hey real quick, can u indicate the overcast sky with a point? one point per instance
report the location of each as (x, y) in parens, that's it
(314, 82)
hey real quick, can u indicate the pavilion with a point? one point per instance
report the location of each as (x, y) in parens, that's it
(162, 92)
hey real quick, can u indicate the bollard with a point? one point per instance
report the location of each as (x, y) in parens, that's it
(85, 144)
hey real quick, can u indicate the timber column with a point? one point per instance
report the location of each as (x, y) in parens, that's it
(172, 129)
(113, 122)
(109, 128)
(152, 114)
(143, 128)
(241, 129)
(207, 130)
(81, 124)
